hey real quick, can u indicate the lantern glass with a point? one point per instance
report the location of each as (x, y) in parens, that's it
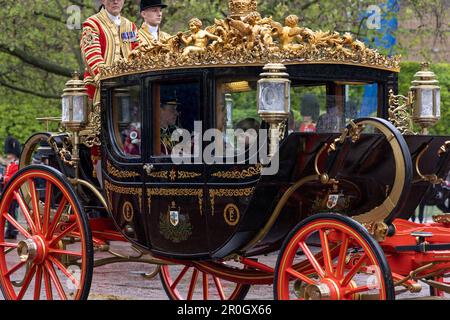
(79, 104)
(437, 102)
(426, 110)
(272, 96)
(66, 109)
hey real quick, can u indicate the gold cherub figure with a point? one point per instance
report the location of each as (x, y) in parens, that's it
(200, 38)
(289, 34)
(255, 30)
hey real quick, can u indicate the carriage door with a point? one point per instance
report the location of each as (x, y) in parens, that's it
(175, 190)
(122, 156)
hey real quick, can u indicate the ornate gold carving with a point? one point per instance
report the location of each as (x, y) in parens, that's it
(377, 229)
(444, 148)
(173, 175)
(246, 173)
(120, 173)
(177, 192)
(241, 8)
(91, 135)
(249, 40)
(188, 175)
(442, 218)
(400, 113)
(159, 174)
(213, 193)
(109, 187)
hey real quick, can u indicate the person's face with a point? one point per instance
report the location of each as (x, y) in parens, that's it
(169, 115)
(152, 16)
(10, 157)
(114, 7)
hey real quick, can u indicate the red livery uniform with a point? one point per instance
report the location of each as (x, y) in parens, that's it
(10, 170)
(103, 43)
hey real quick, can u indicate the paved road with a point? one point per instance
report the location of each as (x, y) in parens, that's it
(124, 281)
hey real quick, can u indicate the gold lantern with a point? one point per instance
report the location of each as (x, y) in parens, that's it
(74, 104)
(274, 100)
(426, 98)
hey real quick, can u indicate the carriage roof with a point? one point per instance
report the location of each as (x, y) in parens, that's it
(316, 47)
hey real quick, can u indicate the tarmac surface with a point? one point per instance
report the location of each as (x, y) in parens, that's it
(125, 281)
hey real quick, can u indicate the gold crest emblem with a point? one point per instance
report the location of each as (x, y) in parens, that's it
(231, 215)
(128, 211)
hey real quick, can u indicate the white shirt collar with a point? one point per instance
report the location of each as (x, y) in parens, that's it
(154, 31)
(114, 19)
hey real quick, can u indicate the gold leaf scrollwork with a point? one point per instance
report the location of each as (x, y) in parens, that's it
(120, 173)
(400, 113)
(213, 193)
(246, 173)
(109, 187)
(250, 40)
(177, 192)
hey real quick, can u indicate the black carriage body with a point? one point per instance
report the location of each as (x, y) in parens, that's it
(220, 208)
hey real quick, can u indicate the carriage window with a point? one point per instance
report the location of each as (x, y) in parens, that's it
(127, 120)
(178, 108)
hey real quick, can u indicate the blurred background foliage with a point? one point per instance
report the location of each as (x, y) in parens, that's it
(38, 51)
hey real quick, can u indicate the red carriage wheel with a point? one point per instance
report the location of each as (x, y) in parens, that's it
(186, 282)
(52, 257)
(358, 269)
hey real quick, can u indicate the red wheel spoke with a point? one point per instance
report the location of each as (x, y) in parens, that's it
(300, 276)
(25, 211)
(8, 245)
(26, 282)
(219, 288)
(192, 284)
(312, 259)
(69, 253)
(326, 252)
(354, 270)
(65, 271)
(37, 283)
(180, 276)
(54, 278)
(56, 218)
(47, 207)
(35, 204)
(48, 284)
(69, 229)
(15, 268)
(205, 286)
(357, 290)
(341, 261)
(16, 224)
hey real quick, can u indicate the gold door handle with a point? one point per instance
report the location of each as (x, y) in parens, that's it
(148, 168)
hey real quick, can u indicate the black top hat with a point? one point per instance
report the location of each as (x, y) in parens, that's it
(12, 146)
(145, 4)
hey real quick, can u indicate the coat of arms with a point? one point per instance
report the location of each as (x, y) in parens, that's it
(174, 225)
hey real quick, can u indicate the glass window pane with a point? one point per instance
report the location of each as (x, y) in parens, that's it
(127, 118)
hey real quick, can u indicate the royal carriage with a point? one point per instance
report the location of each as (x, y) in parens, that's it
(332, 204)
